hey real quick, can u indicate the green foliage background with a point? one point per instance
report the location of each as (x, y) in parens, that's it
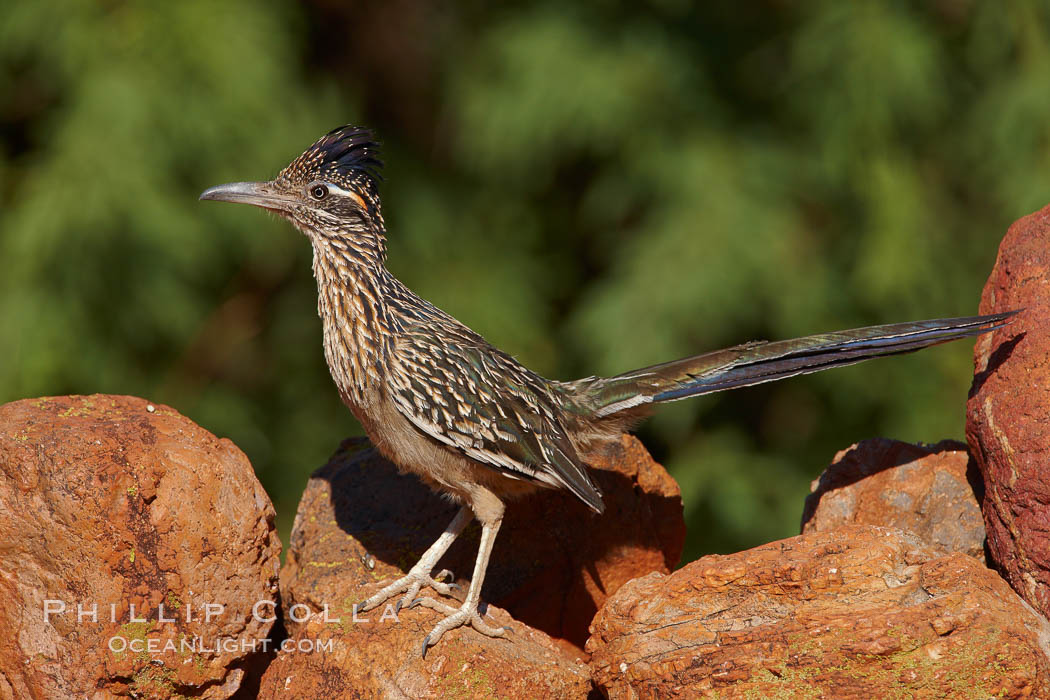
(593, 186)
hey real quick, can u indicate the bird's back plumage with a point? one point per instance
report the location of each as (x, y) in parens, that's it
(460, 390)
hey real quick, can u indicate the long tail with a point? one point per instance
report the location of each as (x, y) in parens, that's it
(759, 362)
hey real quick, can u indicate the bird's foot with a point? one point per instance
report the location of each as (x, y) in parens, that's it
(455, 617)
(410, 584)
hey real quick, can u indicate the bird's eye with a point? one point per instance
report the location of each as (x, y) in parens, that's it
(319, 192)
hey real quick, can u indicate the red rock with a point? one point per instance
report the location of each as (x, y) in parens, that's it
(924, 489)
(111, 501)
(554, 562)
(381, 658)
(856, 612)
(1008, 413)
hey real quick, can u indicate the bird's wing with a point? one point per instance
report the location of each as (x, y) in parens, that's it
(466, 394)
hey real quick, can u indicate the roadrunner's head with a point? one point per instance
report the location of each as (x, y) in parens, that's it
(329, 193)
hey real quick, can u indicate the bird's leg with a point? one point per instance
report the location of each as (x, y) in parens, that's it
(468, 611)
(419, 575)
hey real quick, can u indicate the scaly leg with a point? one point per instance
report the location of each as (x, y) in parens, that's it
(468, 611)
(419, 575)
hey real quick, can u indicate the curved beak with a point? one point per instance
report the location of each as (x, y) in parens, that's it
(260, 194)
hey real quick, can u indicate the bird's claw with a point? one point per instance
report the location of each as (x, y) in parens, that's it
(410, 595)
(457, 618)
(410, 584)
(441, 577)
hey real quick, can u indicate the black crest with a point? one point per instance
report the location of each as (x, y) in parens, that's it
(348, 155)
(349, 150)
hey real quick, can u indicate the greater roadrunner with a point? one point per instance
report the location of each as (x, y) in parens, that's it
(439, 401)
